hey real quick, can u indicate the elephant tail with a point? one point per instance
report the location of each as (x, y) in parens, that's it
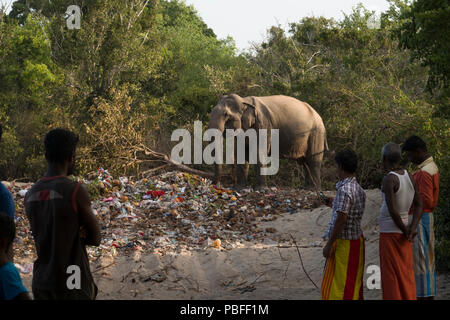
(326, 144)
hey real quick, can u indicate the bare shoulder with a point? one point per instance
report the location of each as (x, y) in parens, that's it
(390, 179)
(83, 193)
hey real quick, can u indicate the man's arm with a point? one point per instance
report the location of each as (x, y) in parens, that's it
(88, 219)
(328, 201)
(417, 211)
(388, 188)
(425, 188)
(342, 207)
(338, 227)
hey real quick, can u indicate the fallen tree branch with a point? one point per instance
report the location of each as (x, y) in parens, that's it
(154, 169)
(165, 158)
(284, 259)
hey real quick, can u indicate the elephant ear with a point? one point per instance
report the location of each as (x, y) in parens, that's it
(248, 118)
(257, 112)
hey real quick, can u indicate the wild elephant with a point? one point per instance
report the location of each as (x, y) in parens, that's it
(302, 134)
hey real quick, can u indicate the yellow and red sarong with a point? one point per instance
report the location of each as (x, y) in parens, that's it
(396, 266)
(343, 276)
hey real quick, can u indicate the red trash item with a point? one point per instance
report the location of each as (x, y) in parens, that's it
(155, 193)
(218, 189)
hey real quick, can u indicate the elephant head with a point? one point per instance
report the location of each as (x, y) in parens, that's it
(229, 113)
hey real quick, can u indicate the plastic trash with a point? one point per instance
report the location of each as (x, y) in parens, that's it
(170, 211)
(23, 192)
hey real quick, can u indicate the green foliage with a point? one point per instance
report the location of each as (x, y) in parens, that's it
(189, 47)
(442, 215)
(115, 138)
(29, 81)
(421, 29)
(11, 149)
(20, 11)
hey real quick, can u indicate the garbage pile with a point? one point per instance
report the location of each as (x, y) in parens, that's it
(170, 212)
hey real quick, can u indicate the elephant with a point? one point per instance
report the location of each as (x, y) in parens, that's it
(302, 134)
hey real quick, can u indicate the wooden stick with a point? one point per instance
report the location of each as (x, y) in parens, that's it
(301, 261)
(98, 269)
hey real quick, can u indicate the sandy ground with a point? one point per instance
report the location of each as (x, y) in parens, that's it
(249, 270)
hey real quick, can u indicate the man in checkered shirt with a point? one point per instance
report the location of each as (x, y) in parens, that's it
(344, 251)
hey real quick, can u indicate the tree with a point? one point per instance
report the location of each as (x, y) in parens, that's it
(422, 29)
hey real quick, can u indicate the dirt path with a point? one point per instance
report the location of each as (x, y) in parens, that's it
(249, 270)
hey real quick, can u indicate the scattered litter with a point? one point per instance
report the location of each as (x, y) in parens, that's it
(27, 268)
(23, 192)
(169, 212)
(217, 243)
(271, 230)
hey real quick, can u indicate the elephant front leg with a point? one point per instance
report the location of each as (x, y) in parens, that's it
(261, 159)
(260, 178)
(242, 175)
(217, 174)
(234, 174)
(241, 170)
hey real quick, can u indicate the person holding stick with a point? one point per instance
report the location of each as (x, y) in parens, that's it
(345, 248)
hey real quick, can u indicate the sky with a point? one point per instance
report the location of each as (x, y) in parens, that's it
(246, 21)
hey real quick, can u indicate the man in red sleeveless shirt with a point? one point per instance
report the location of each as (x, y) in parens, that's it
(62, 223)
(426, 176)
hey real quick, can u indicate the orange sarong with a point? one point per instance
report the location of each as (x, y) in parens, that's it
(396, 266)
(343, 276)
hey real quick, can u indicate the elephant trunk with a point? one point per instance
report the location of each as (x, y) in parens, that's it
(217, 124)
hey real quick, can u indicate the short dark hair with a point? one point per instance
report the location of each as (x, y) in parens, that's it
(60, 145)
(392, 152)
(414, 143)
(347, 160)
(7, 228)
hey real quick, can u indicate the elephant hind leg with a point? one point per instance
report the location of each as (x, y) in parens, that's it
(234, 174)
(312, 174)
(302, 163)
(316, 149)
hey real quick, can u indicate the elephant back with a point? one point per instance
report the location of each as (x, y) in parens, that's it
(297, 122)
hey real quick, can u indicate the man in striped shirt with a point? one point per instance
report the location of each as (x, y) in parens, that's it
(344, 251)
